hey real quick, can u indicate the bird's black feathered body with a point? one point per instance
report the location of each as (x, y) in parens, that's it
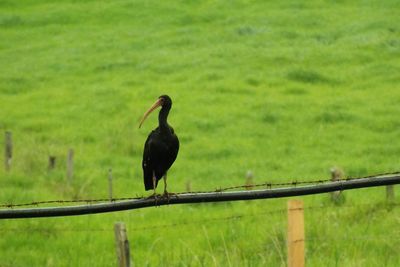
(161, 147)
(160, 151)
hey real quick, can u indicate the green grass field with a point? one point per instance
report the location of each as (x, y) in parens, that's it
(283, 88)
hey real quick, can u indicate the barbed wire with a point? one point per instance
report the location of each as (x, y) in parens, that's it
(316, 241)
(198, 222)
(269, 185)
(76, 201)
(153, 227)
(296, 182)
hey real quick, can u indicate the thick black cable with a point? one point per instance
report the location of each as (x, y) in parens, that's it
(199, 198)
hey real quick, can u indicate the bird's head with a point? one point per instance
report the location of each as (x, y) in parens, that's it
(166, 101)
(163, 101)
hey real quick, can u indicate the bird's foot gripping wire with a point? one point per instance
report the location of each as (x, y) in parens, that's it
(168, 195)
(155, 197)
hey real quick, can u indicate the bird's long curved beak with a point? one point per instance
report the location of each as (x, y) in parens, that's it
(157, 104)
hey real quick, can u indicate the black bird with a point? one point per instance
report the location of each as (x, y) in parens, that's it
(161, 147)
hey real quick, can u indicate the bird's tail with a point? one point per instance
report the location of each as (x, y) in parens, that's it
(148, 182)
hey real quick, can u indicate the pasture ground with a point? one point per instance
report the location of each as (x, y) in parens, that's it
(282, 88)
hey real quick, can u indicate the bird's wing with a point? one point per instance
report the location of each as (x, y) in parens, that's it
(172, 151)
(148, 163)
(158, 156)
(155, 155)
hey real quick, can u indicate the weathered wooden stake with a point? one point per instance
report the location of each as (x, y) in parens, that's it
(8, 150)
(390, 193)
(336, 175)
(188, 186)
(249, 180)
(70, 165)
(52, 162)
(295, 237)
(110, 188)
(122, 245)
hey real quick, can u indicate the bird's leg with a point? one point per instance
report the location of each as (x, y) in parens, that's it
(154, 188)
(154, 184)
(165, 187)
(165, 184)
(166, 194)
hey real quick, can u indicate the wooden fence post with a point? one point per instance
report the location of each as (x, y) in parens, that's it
(336, 175)
(8, 149)
(110, 187)
(122, 245)
(52, 162)
(295, 237)
(188, 186)
(249, 180)
(70, 165)
(390, 193)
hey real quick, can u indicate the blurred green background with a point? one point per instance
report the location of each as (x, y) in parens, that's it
(286, 89)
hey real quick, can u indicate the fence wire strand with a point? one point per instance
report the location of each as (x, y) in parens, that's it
(198, 222)
(297, 183)
(269, 185)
